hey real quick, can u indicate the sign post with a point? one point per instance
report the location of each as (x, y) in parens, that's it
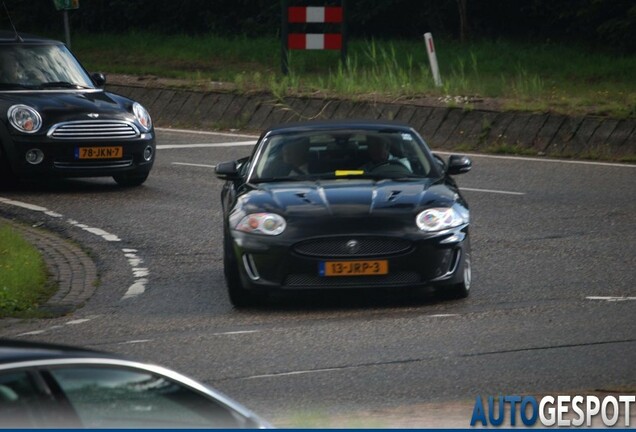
(432, 58)
(65, 6)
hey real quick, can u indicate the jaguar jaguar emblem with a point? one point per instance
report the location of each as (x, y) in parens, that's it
(353, 246)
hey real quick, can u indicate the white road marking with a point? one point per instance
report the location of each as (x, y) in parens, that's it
(529, 159)
(136, 289)
(292, 373)
(139, 273)
(31, 207)
(443, 315)
(78, 321)
(135, 341)
(235, 332)
(205, 145)
(97, 231)
(196, 132)
(33, 333)
(611, 299)
(194, 165)
(492, 191)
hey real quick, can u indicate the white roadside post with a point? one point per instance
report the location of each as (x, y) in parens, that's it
(432, 58)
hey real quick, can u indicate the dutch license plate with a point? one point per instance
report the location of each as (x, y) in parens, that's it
(354, 268)
(99, 152)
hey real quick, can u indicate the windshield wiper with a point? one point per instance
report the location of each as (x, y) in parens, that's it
(272, 179)
(61, 84)
(14, 86)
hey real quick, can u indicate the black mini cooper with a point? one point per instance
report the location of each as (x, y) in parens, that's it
(56, 120)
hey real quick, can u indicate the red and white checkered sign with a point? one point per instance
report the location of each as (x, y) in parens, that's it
(314, 14)
(314, 41)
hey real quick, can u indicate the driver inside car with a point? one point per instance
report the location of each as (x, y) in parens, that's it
(378, 152)
(9, 70)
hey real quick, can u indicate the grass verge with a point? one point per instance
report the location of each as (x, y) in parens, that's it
(566, 79)
(24, 281)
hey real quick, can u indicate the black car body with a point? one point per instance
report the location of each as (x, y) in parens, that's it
(55, 120)
(344, 221)
(54, 386)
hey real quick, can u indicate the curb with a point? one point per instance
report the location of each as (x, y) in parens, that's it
(70, 267)
(444, 128)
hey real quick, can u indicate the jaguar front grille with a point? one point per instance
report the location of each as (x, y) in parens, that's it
(352, 247)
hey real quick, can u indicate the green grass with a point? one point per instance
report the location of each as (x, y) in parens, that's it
(23, 275)
(560, 78)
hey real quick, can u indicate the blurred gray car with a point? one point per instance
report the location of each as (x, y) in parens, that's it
(53, 386)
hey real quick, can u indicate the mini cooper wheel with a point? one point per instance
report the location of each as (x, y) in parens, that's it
(130, 180)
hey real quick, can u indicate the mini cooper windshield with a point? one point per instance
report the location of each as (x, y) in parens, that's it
(314, 155)
(37, 67)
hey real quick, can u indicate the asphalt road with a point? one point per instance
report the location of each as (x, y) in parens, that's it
(552, 306)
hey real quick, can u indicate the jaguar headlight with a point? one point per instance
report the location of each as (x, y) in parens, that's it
(441, 218)
(24, 118)
(142, 116)
(262, 223)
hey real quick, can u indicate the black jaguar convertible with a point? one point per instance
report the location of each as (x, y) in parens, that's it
(338, 205)
(56, 120)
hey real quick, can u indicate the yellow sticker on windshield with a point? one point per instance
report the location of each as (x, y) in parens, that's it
(348, 172)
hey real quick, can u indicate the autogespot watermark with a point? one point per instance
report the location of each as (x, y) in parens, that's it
(560, 411)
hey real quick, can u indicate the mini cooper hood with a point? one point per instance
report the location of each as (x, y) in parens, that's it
(348, 197)
(59, 106)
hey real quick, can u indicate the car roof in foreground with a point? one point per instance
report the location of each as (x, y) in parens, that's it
(327, 125)
(13, 351)
(9, 38)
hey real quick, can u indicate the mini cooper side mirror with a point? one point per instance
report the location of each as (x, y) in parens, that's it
(227, 170)
(99, 79)
(458, 164)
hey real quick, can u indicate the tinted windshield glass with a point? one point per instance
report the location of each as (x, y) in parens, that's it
(40, 66)
(340, 154)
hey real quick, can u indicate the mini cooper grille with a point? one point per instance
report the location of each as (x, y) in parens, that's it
(352, 247)
(94, 129)
(310, 281)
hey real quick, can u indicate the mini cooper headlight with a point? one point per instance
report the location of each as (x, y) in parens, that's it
(262, 223)
(441, 218)
(24, 118)
(142, 116)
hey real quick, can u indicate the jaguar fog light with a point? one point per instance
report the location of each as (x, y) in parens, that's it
(34, 156)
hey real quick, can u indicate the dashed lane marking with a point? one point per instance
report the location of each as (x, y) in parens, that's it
(194, 165)
(611, 298)
(492, 191)
(205, 145)
(196, 132)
